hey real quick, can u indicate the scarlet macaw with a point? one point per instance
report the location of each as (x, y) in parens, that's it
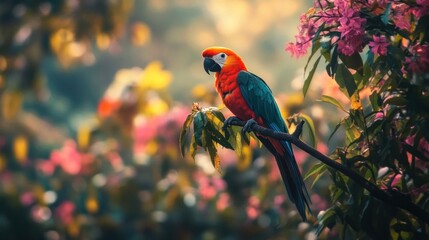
(251, 100)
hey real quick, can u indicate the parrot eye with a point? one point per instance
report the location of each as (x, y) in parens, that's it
(222, 55)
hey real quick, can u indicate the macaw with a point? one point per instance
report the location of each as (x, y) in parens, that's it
(250, 99)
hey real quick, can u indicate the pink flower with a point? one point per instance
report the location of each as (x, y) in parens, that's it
(318, 202)
(306, 31)
(46, 167)
(279, 200)
(208, 187)
(27, 198)
(379, 45)
(253, 208)
(65, 212)
(421, 10)
(401, 16)
(378, 116)
(222, 202)
(69, 158)
(419, 61)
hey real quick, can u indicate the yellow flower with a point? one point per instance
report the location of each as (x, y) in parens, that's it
(154, 77)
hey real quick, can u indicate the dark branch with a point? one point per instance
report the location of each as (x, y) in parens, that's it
(389, 197)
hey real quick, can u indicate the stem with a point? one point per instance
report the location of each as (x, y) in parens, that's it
(391, 197)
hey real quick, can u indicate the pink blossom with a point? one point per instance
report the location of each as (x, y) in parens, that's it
(421, 10)
(253, 207)
(70, 159)
(166, 127)
(379, 116)
(279, 200)
(318, 202)
(208, 187)
(401, 16)
(223, 202)
(46, 167)
(379, 45)
(419, 61)
(27, 198)
(306, 31)
(65, 212)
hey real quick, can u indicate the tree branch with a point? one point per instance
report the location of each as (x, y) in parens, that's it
(392, 198)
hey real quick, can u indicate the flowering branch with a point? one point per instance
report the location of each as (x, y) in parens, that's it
(391, 197)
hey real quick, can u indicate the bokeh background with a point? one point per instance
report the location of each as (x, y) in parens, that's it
(93, 97)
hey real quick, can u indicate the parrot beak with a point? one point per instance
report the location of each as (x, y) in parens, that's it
(210, 65)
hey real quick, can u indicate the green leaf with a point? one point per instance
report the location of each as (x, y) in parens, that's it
(398, 101)
(310, 76)
(214, 157)
(315, 46)
(316, 179)
(335, 130)
(312, 132)
(375, 101)
(333, 101)
(354, 62)
(183, 133)
(193, 147)
(200, 121)
(345, 80)
(217, 136)
(315, 169)
(327, 219)
(385, 17)
(331, 68)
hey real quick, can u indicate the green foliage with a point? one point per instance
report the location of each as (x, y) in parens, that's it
(385, 132)
(208, 133)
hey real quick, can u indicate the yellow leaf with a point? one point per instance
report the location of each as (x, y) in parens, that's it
(217, 165)
(20, 148)
(355, 103)
(155, 107)
(83, 136)
(154, 77)
(151, 148)
(91, 205)
(199, 91)
(103, 41)
(73, 229)
(3, 163)
(245, 158)
(3, 63)
(11, 104)
(60, 38)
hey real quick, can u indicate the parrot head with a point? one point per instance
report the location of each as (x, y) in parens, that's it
(218, 58)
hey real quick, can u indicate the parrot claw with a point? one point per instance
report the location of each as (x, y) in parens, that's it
(228, 123)
(248, 127)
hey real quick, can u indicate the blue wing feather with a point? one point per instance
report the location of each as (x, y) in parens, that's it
(261, 101)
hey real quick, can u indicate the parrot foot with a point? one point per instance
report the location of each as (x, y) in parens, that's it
(228, 122)
(248, 127)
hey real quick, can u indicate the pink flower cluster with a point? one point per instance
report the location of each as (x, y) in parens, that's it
(419, 60)
(307, 30)
(68, 158)
(350, 27)
(345, 24)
